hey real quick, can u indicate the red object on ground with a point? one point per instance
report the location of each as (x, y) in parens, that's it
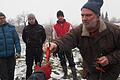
(37, 67)
(45, 68)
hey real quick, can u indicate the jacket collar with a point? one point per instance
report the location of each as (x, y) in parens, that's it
(102, 28)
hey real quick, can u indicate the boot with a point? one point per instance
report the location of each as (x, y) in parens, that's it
(74, 73)
(65, 76)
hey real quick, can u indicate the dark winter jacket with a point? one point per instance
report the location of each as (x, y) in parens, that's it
(9, 40)
(34, 35)
(106, 43)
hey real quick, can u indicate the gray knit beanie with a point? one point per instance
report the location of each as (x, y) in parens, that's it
(94, 5)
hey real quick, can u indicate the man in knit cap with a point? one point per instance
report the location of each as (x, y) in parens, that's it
(98, 42)
(60, 29)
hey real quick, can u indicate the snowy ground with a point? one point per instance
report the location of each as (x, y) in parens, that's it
(57, 73)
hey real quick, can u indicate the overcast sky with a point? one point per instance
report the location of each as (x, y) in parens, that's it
(45, 10)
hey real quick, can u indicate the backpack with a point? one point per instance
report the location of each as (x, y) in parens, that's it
(38, 75)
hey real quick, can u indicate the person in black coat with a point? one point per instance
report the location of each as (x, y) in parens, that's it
(34, 36)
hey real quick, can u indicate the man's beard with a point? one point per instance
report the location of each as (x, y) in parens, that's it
(91, 25)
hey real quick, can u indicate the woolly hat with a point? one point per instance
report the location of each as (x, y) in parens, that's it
(60, 13)
(31, 15)
(1, 14)
(94, 5)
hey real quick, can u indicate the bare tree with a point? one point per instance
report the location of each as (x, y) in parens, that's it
(21, 22)
(11, 21)
(106, 17)
(102, 16)
(21, 19)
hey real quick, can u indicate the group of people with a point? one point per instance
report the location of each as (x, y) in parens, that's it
(97, 40)
(10, 48)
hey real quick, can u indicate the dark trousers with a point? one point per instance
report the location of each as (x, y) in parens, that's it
(103, 76)
(32, 54)
(66, 55)
(7, 68)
